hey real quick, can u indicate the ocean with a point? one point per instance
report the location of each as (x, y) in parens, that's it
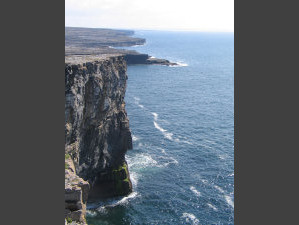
(182, 121)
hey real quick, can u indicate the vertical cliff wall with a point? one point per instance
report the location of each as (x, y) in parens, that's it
(97, 133)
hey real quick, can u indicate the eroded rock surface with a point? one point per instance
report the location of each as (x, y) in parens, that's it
(76, 194)
(97, 133)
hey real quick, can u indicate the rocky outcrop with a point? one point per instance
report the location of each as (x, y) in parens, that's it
(138, 58)
(76, 194)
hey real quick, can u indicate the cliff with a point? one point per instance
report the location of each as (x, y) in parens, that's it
(97, 133)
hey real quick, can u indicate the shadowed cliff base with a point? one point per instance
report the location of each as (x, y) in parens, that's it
(98, 41)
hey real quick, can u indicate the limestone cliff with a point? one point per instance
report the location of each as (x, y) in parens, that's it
(76, 193)
(97, 133)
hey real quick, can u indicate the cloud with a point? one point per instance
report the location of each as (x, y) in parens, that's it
(205, 15)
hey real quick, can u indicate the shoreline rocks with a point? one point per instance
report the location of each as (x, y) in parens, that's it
(138, 58)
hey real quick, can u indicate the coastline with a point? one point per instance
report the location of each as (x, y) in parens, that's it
(97, 133)
(98, 42)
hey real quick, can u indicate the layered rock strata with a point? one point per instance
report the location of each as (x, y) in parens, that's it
(97, 133)
(76, 194)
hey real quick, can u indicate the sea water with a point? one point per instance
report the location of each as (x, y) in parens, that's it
(182, 122)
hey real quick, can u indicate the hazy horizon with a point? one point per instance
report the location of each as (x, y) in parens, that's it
(167, 15)
(144, 29)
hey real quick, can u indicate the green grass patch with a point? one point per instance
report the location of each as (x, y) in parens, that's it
(69, 220)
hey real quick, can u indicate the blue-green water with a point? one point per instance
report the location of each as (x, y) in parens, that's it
(182, 121)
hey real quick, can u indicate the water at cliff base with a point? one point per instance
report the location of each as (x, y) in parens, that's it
(182, 121)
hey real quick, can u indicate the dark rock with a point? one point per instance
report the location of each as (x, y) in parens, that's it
(97, 133)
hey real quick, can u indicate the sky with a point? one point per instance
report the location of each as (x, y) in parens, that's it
(188, 15)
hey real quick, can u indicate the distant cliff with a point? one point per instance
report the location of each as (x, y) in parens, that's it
(99, 41)
(97, 133)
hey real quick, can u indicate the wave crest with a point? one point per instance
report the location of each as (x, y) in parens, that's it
(190, 218)
(196, 192)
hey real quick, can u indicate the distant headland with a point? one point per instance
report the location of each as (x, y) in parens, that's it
(92, 42)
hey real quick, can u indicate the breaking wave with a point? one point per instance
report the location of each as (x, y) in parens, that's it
(155, 115)
(190, 218)
(196, 192)
(212, 206)
(140, 161)
(166, 134)
(135, 138)
(229, 200)
(219, 188)
(124, 200)
(179, 64)
(137, 102)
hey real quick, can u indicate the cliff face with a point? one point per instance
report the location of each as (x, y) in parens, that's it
(97, 133)
(76, 193)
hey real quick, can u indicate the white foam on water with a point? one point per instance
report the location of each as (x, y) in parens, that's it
(134, 179)
(222, 157)
(136, 45)
(123, 201)
(219, 188)
(190, 218)
(137, 102)
(187, 142)
(141, 106)
(155, 115)
(204, 181)
(102, 210)
(91, 213)
(229, 200)
(182, 64)
(162, 150)
(179, 64)
(140, 145)
(196, 192)
(231, 175)
(141, 161)
(166, 134)
(184, 140)
(170, 160)
(212, 207)
(135, 138)
(159, 128)
(126, 199)
(174, 160)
